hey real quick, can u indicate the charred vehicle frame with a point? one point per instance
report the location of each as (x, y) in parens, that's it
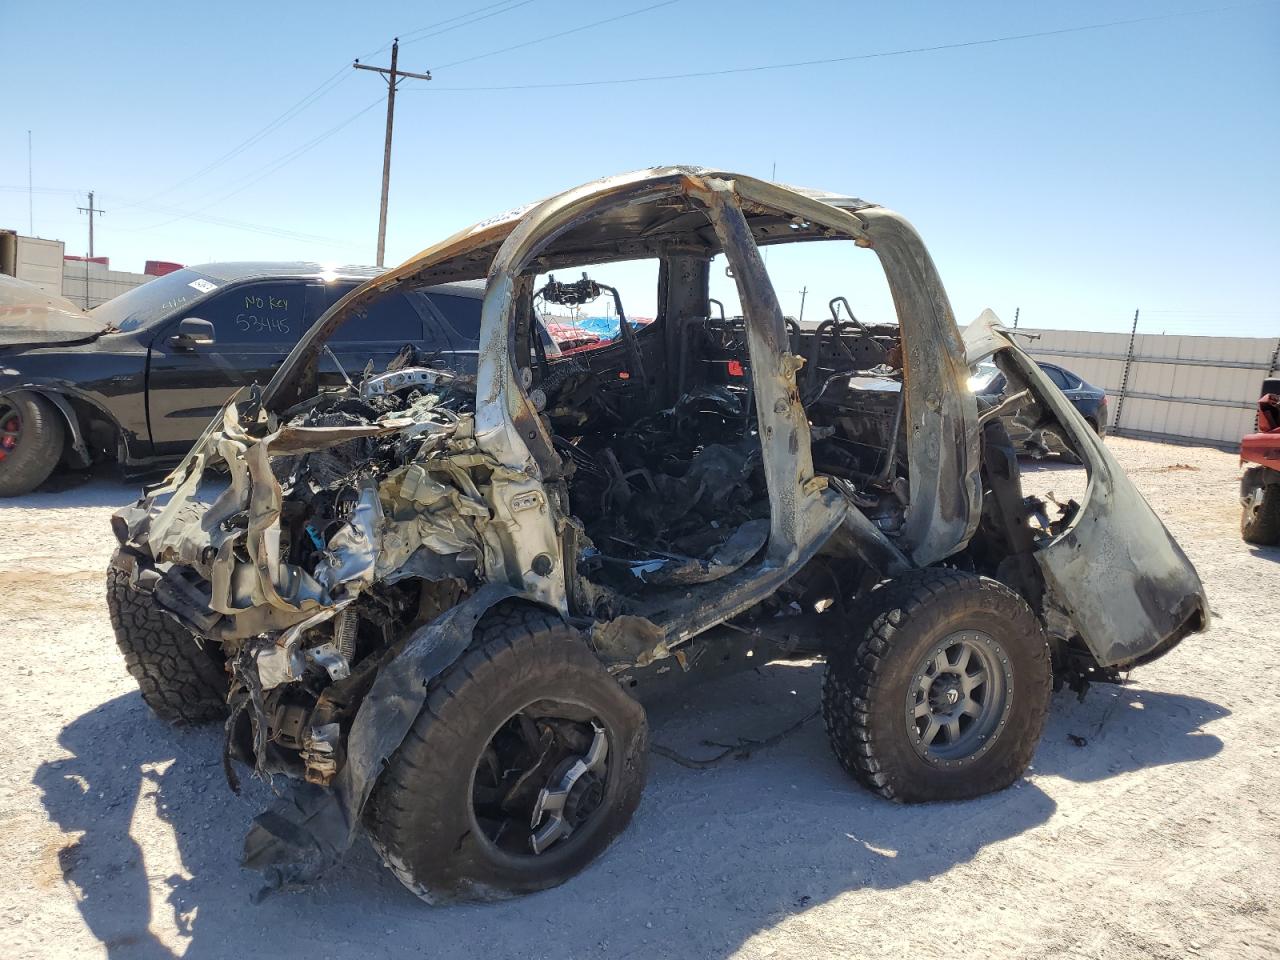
(434, 598)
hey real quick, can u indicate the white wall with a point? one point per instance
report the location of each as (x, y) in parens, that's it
(1199, 389)
(35, 260)
(89, 284)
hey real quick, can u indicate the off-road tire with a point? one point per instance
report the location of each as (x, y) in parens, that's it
(182, 682)
(865, 687)
(1263, 527)
(420, 815)
(39, 448)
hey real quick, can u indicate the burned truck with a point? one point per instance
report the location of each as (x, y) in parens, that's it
(436, 600)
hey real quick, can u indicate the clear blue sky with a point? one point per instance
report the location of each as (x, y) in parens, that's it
(1076, 176)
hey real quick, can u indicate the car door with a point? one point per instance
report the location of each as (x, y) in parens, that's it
(255, 325)
(453, 325)
(429, 321)
(1072, 388)
(1063, 380)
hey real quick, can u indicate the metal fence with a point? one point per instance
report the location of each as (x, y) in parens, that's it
(1183, 389)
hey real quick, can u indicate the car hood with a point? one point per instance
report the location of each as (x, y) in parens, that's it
(29, 317)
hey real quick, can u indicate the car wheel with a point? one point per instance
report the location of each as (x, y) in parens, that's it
(1260, 507)
(527, 760)
(32, 434)
(181, 681)
(944, 691)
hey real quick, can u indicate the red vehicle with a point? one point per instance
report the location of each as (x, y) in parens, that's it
(570, 337)
(1260, 485)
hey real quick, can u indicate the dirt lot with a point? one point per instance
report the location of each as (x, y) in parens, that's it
(1156, 835)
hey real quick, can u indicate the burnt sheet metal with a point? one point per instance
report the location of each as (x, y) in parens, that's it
(1115, 573)
(673, 571)
(629, 641)
(799, 501)
(872, 546)
(304, 834)
(390, 523)
(941, 413)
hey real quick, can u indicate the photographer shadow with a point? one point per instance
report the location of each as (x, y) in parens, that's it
(712, 858)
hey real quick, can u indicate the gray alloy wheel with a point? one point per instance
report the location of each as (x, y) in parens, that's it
(959, 698)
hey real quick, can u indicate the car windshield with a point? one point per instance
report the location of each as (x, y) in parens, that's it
(155, 299)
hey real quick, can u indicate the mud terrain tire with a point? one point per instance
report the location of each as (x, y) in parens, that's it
(901, 626)
(181, 681)
(421, 816)
(1261, 525)
(38, 446)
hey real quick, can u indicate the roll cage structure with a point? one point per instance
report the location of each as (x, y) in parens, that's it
(685, 216)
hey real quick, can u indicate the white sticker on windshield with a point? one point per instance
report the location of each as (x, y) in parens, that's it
(204, 286)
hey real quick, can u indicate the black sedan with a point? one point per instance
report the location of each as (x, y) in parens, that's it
(988, 382)
(137, 379)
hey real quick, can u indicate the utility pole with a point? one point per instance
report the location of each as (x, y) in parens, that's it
(392, 75)
(90, 210)
(1016, 311)
(803, 293)
(31, 206)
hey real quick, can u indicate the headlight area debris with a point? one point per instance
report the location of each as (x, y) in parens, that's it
(310, 545)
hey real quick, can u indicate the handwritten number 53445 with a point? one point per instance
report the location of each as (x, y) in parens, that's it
(252, 323)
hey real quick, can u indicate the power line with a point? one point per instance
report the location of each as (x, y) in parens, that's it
(556, 36)
(326, 86)
(182, 214)
(332, 81)
(274, 165)
(507, 6)
(907, 51)
(1221, 313)
(248, 227)
(284, 160)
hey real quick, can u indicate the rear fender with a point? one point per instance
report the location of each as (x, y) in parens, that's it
(1116, 573)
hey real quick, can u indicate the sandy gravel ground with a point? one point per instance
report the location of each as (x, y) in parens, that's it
(1158, 837)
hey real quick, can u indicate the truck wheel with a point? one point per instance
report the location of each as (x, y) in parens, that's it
(526, 762)
(1260, 502)
(32, 434)
(944, 693)
(180, 680)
